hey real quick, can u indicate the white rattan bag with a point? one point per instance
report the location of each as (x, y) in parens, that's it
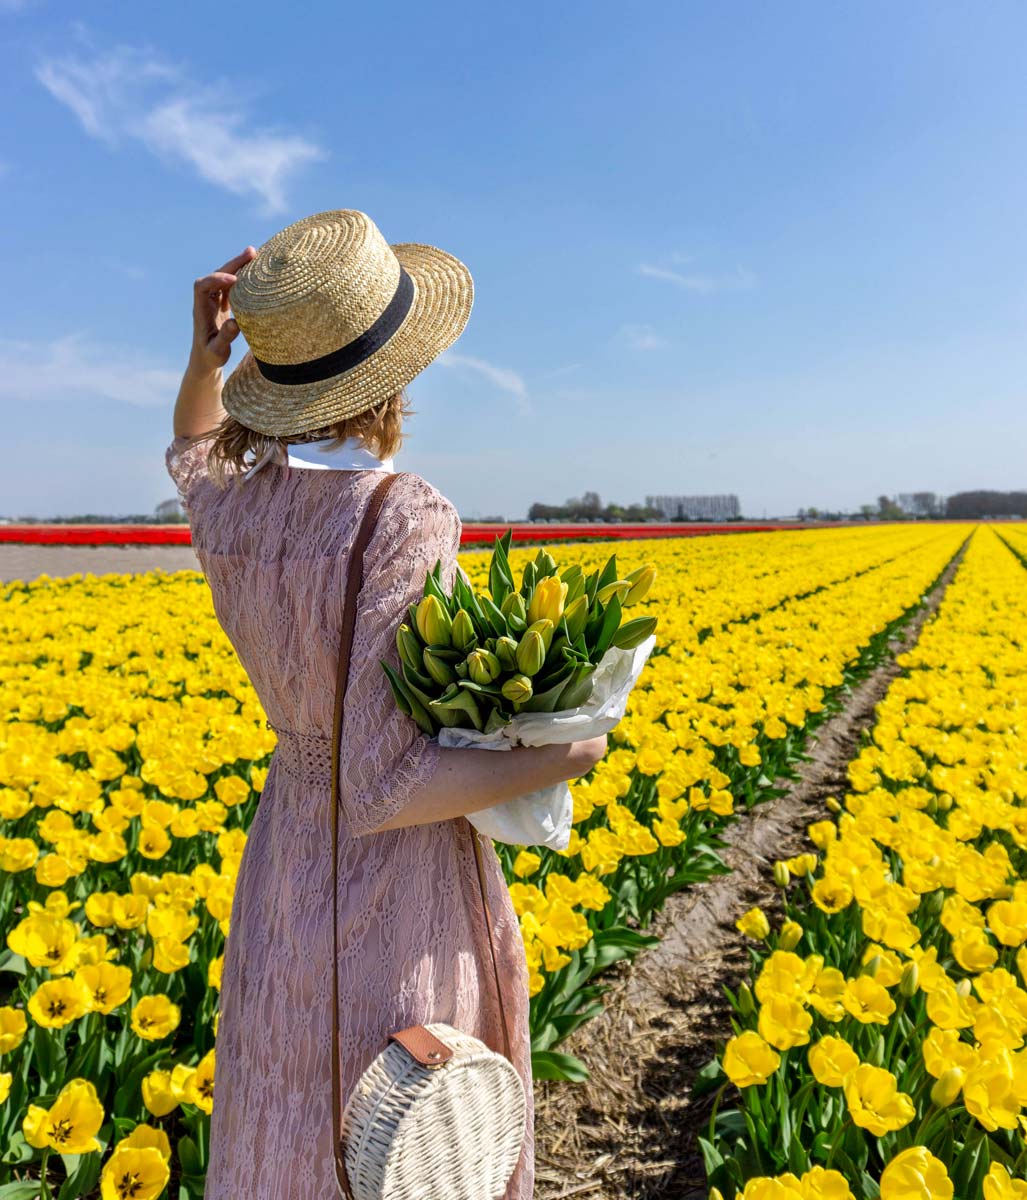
(438, 1114)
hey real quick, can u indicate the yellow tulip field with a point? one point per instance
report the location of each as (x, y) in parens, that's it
(879, 1043)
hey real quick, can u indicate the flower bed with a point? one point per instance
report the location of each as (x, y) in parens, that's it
(879, 1042)
(132, 755)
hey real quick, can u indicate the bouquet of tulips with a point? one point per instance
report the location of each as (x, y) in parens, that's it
(552, 659)
(476, 661)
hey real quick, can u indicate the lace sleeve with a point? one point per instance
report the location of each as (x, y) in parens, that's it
(385, 758)
(186, 462)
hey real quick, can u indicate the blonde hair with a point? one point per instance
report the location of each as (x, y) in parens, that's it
(380, 428)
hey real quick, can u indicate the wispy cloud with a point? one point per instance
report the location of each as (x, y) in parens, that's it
(641, 337)
(39, 371)
(502, 377)
(694, 280)
(132, 93)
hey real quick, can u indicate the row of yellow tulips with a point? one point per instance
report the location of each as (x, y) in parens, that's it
(879, 1045)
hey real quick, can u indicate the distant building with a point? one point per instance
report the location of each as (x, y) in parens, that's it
(696, 508)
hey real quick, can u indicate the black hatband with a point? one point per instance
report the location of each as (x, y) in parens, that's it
(352, 353)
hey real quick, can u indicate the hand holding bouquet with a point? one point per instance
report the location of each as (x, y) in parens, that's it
(476, 661)
(551, 660)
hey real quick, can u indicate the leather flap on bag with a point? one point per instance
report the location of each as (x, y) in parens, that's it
(423, 1045)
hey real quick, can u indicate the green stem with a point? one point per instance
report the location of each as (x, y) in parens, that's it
(713, 1113)
(44, 1187)
(835, 1140)
(932, 1110)
(893, 1031)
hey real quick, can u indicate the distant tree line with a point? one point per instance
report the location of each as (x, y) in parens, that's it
(973, 505)
(590, 508)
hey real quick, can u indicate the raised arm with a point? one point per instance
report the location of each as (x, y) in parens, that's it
(198, 407)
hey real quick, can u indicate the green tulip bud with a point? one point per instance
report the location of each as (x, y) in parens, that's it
(506, 652)
(462, 633)
(782, 876)
(576, 616)
(832, 804)
(513, 608)
(746, 1001)
(531, 653)
(545, 563)
(544, 628)
(517, 689)
(438, 669)
(409, 647)
(434, 624)
(909, 983)
(482, 667)
(872, 965)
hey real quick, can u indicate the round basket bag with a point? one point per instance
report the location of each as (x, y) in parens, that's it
(438, 1114)
(451, 1131)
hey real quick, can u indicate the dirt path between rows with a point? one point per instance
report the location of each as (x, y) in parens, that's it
(629, 1131)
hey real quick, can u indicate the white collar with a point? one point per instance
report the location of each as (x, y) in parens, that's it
(352, 455)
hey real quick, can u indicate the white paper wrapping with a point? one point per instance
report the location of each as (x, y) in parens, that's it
(544, 818)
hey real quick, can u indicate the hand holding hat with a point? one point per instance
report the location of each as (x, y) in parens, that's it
(213, 329)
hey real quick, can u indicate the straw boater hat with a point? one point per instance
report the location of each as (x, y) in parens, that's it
(338, 320)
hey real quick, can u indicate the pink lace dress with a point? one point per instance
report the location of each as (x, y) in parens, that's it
(413, 942)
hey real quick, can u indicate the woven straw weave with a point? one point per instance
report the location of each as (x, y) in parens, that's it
(452, 1132)
(316, 286)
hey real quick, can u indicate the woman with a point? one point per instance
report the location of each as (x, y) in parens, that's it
(338, 323)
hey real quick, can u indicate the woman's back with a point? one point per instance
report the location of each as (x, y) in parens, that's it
(276, 553)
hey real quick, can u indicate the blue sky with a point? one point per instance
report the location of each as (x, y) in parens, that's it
(772, 250)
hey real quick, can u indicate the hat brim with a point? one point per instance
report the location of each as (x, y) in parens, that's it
(443, 296)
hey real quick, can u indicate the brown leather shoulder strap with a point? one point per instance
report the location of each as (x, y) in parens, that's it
(417, 1040)
(354, 580)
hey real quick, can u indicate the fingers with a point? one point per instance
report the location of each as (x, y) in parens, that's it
(211, 303)
(234, 264)
(226, 335)
(216, 281)
(210, 300)
(223, 279)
